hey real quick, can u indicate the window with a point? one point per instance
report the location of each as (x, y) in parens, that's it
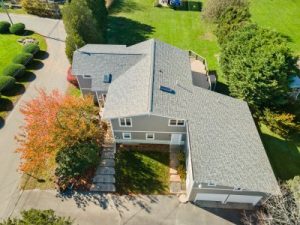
(87, 76)
(125, 122)
(126, 135)
(176, 123)
(150, 136)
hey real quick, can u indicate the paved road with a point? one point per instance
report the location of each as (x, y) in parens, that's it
(51, 76)
(130, 210)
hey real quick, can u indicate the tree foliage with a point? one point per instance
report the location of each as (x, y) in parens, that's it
(38, 217)
(52, 122)
(256, 63)
(85, 22)
(74, 161)
(213, 9)
(41, 8)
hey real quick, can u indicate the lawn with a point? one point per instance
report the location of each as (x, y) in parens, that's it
(9, 49)
(282, 16)
(142, 172)
(132, 21)
(284, 155)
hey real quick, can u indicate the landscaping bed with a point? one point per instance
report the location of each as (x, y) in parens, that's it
(142, 172)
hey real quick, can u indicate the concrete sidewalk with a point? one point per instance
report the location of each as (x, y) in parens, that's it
(108, 209)
(51, 76)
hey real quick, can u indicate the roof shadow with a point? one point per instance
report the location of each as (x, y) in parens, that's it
(125, 31)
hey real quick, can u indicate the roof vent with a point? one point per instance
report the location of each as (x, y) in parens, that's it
(167, 89)
(107, 78)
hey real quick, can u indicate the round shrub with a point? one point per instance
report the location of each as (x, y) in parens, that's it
(4, 27)
(17, 28)
(6, 83)
(14, 70)
(23, 58)
(31, 48)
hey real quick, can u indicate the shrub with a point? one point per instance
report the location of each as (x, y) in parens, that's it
(213, 9)
(41, 8)
(280, 123)
(4, 27)
(23, 58)
(6, 83)
(31, 48)
(181, 169)
(74, 161)
(14, 70)
(71, 78)
(17, 28)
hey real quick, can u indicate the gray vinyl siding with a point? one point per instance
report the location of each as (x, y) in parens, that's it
(148, 123)
(84, 83)
(142, 136)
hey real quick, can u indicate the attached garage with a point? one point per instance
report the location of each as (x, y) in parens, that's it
(228, 198)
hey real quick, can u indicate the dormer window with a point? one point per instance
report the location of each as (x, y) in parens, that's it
(211, 184)
(87, 76)
(176, 123)
(125, 122)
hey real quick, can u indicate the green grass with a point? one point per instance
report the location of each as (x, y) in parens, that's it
(132, 21)
(74, 91)
(144, 172)
(284, 155)
(9, 49)
(282, 16)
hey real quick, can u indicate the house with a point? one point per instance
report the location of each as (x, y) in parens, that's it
(150, 97)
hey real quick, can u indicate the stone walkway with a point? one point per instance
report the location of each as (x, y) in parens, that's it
(175, 181)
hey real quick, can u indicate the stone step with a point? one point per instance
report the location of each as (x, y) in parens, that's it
(104, 179)
(104, 170)
(103, 187)
(107, 155)
(175, 187)
(175, 178)
(107, 162)
(173, 171)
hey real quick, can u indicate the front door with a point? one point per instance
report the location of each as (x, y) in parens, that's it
(176, 139)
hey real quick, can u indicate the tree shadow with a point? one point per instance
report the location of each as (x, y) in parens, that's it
(108, 201)
(125, 31)
(189, 6)
(17, 89)
(6, 105)
(28, 33)
(35, 65)
(284, 156)
(2, 122)
(124, 6)
(232, 215)
(41, 55)
(28, 76)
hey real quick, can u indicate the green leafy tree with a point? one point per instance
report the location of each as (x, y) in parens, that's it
(76, 160)
(84, 23)
(256, 63)
(38, 217)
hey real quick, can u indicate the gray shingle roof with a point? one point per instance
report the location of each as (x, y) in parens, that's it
(224, 142)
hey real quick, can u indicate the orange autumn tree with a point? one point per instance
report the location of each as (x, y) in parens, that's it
(54, 121)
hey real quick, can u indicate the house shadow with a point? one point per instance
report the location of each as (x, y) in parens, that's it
(124, 6)
(125, 31)
(122, 203)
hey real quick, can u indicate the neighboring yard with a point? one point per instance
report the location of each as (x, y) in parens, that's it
(9, 49)
(282, 16)
(284, 155)
(142, 172)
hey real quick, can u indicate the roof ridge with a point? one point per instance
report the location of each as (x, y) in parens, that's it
(151, 77)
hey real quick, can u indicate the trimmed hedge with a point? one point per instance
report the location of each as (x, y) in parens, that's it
(4, 27)
(14, 70)
(6, 83)
(31, 48)
(23, 58)
(17, 28)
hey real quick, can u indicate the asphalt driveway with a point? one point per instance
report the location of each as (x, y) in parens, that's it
(51, 76)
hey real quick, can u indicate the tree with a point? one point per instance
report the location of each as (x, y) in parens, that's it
(38, 217)
(52, 122)
(213, 9)
(256, 63)
(85, 22)
(277, 210)
(74, 161)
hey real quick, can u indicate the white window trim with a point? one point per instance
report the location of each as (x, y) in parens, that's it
(150, 138)
(170, 125)
(126, 133)
(87, 76)
(125, 118)
(211, 184)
